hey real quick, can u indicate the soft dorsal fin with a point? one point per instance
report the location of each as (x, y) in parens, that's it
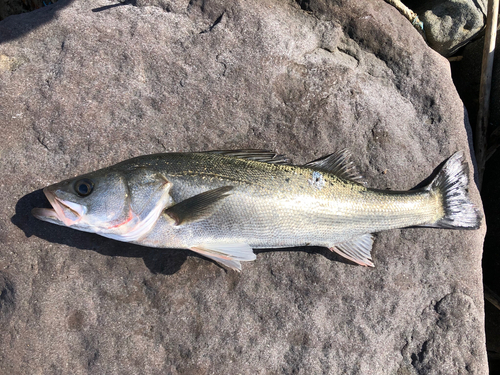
(357, 250)
(340, 164)
(264, 156)
(198, 207)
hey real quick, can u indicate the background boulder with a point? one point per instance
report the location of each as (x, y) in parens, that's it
(450, 24)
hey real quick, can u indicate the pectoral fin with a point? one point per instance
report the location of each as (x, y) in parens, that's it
(198, 207)
(357, 250)
(227, 254)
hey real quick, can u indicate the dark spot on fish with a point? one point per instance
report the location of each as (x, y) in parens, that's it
(287, 179)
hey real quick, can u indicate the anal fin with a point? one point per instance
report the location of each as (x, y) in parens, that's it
(227, 254)
(357, 250)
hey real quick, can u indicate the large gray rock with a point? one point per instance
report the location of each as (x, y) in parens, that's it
(451, 24)
(82, 90)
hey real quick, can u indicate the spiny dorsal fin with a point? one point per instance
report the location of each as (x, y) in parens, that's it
(357, 250)
(227, 254)
(340, 164)
(264, 156)
(198, 207)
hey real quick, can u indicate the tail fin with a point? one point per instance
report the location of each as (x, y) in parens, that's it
(452, 183)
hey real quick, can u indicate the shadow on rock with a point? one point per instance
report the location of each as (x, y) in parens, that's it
(13, 28)
(330, 255)
(163, 261)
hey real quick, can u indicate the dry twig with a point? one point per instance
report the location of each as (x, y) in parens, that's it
(409, 14)
(480, 139)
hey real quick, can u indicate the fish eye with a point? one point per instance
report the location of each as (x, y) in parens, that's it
(84, 187)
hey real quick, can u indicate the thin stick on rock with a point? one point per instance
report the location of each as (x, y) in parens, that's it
(480, 141)
(491, 297)
(409, 14)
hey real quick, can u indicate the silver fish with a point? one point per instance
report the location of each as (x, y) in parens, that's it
(223, 204)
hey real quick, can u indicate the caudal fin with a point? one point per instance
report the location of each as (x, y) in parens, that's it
(452, 184)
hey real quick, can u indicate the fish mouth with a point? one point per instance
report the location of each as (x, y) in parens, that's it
(63, 212)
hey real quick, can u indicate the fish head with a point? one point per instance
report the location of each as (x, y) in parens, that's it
(119, 204)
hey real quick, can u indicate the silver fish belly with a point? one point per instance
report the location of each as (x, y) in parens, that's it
(224, 204)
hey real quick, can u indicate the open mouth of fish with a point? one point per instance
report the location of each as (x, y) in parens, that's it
(62, 212)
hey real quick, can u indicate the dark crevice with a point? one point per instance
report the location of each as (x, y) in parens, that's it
(167, 8)
(326, 49)
(304, 5)
(106, 7)
(417, 359)
(7, 299)
(196, 3)
(215, 23)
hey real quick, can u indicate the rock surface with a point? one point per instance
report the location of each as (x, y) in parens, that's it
(86, 85)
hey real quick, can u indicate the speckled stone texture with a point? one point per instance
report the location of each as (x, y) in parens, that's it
(85, 85)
